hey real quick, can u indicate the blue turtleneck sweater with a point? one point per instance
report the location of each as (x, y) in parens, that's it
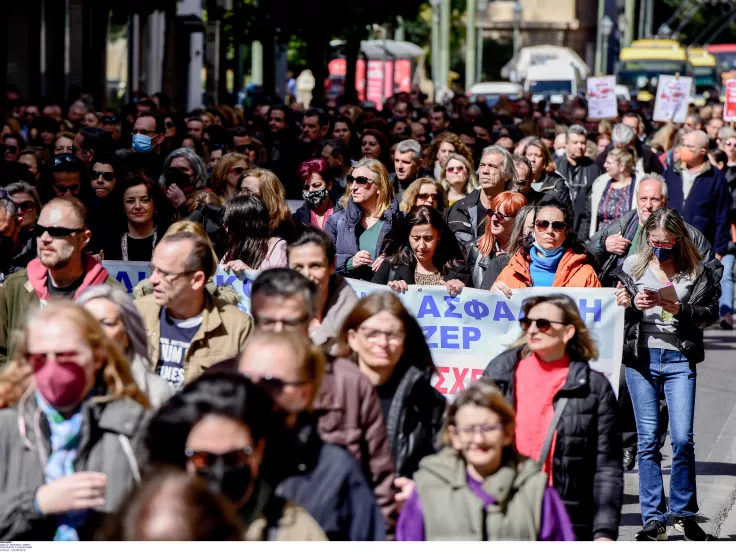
(542, 268)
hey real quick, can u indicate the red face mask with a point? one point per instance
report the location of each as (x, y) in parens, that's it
(61, 384)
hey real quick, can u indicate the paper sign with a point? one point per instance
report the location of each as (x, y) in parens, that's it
(729, 111)
(602, 102)
(672, 98)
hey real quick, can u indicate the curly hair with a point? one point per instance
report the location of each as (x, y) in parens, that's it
(408, 200)
(450, 138)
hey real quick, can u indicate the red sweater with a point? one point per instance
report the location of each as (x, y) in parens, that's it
(536, 383)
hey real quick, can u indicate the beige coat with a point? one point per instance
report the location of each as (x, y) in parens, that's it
(222, 335)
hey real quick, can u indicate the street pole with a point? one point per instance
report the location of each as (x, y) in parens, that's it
(649, 19)
(436, 70)
(598, 41)
(642, 18)
(479, 56)
(517, 27)
(256, 62)
(606, 26)
(445, 42)
(629, 14)
(470, 69)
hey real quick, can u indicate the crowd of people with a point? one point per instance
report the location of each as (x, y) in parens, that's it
(171, 414)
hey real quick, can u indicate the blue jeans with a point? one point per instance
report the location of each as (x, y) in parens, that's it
(669, 369)
(725, 302)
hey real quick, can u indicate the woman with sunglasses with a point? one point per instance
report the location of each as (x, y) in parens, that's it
(184, 172)
(388, 345)
(317, 191)
(547, 183)
(425, 253)
(458, 178)
(565, 412)
(26, 198)
(424, 191)
(675, 298)
(253, 149)
(522, 235)
(497, 235)
(440, 150)
(555, 258)
(175, 131)
(478, 468)
(142, 214)
(12, 145)
(223, 428)
(371, 214)
(250, 245)
(228, 172)
(71, 412)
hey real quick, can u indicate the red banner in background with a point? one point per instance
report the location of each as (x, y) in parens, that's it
(729, 111)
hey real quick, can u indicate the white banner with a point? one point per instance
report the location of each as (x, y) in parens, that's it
(466, 332)
(673, 95)
(602, 103)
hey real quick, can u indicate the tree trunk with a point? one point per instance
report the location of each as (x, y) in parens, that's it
(352, 51)
(316, 46)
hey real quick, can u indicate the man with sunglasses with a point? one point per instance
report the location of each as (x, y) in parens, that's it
(188, 328)
(63, 267)
(67, 176)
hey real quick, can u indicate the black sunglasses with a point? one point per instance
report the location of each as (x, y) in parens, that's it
(169, 124)
(557, 225)
(110, 120)
(203, 459)
(543, 325)
(24, 206)
(64, 158)
(56, 232)
(238, 170)
(500, 217)
(360, 180)
(246, 147)
(108, 176)
(11, 148)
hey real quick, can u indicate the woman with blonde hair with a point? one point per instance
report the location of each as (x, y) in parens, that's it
(565, 412)
(227, 174)
(479, 466)
(370, 214)
(72, 409)
(267, 186)
(612, 193)
(443, 145)
(675, 298)
(424, 191)
(458, 177)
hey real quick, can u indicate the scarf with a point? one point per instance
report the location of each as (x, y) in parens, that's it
(542, 268)
(66, 435)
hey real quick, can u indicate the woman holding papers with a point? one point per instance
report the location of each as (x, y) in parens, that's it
(675, 297)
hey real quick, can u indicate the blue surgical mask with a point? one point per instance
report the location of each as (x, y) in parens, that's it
(142, 143)
(663, 254)
(547, 253)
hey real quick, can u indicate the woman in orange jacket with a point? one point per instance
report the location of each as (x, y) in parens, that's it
(553, 256)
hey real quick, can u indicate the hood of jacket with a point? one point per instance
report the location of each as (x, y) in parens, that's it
(94, 274)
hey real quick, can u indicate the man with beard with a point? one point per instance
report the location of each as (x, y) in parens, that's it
(337, 154)
(63, 268)
(281, 148)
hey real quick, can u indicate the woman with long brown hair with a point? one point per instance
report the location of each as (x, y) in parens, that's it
(546, 181)
(227, 174)
(565, 412)
(71, 411)
(267, 186)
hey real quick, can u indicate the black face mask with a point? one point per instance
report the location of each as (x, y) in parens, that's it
(179, 178)
(231, 482)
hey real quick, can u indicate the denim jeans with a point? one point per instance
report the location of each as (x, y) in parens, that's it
(670, 369)
(725, 302)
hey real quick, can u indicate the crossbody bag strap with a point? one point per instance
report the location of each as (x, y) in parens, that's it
(547, 445)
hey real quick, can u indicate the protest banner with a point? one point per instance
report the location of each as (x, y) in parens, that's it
(671, 102)
(602, 103)
(464, 333)
(729, 110)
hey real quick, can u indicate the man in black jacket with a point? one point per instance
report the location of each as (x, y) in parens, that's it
(467, 217)
(579, 171)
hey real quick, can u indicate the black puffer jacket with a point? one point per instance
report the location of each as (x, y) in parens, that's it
(587, 468)
(553, 187)
(698, 313)
(414, 420)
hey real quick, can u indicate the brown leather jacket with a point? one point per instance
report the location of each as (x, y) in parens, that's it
(350, 416)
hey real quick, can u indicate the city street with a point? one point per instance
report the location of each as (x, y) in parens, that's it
(715, 446)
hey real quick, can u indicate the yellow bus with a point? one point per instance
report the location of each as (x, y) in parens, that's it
(703, 70)
(641, 63)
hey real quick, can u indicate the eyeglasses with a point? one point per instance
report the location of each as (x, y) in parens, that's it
(359, 180)
(26, 206)
(557, 225)
(662, 245)
(12, 149)
(61, 190)
(455, 169)
(203, 459)
(372, 334)
(56, 232)
(287, 324)
(468, 432)
(425, 197)
(246, 147)
(500, 217)
(37, 360)
(168, 276)
(237, 170)
(274, 385)
(543, 325)
(108, 176)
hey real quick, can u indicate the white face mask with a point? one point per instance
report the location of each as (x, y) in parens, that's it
(560, 152)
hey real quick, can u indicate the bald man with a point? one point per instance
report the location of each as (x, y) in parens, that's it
(699, 191)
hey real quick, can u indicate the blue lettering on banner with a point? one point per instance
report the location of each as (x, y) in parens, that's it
(595, 310)
(449, 337)
(452, 303)
(429, 331)
(476, 309)
(470, 334)
(502, 312)
(428, 307)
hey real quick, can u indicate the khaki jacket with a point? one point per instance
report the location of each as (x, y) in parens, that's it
(223, 332)
(295, 525)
